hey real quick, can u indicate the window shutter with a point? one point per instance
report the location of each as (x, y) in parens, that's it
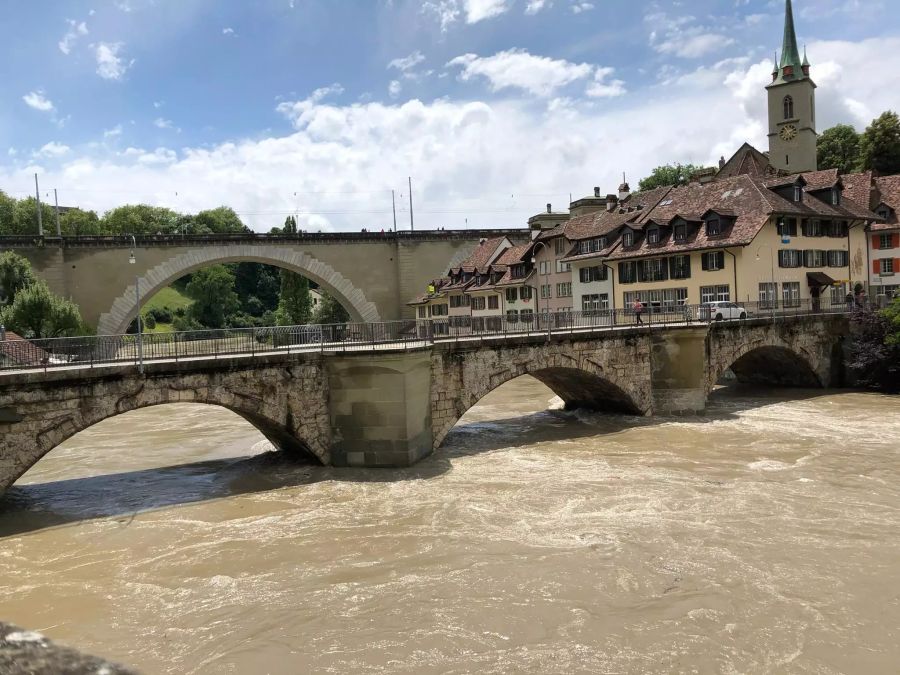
(622, 277)
(804, 228)
(720, 258)
(705, 261)
(673, 268)
(897, 241)
(641, 271)
(876, 242)
(876, 267)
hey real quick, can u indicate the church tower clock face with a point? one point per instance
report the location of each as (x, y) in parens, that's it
(788, 133)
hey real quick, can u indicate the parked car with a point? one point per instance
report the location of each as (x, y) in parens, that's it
(721, 311)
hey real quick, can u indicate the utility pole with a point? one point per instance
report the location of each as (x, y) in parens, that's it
(411, 222)
(394, 207)
(56, 201)
(37, 196)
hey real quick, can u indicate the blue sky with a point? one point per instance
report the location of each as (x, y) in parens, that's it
(321, 107)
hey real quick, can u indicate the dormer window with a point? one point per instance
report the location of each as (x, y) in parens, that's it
(798, 193)
(713, 227)
(604, 242)
(836, 196)
(681, 232)
(653, 236)
(628, 238)
(884, 213)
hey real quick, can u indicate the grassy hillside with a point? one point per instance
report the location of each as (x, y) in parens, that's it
(168, 297)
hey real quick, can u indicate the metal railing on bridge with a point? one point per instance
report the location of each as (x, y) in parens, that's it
(90, 351)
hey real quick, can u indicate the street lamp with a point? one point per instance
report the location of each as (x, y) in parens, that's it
(546, 274)
(137, 292)
(774, 286)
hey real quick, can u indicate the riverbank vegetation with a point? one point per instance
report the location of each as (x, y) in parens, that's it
(875, 350)
(29, 308)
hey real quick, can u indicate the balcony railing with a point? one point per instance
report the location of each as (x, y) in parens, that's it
(93, 351)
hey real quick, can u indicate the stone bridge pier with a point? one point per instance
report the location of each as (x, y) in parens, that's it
(392, 407)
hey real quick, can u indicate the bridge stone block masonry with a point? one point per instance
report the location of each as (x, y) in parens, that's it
(391, 408)
(373, 275)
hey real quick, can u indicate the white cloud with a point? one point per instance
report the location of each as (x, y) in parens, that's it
(479, 10)
(53, 149)
(115, 132)
(466, 158)
(535, 6)
(38, 101)
(603, 86)
(579, 7)
(407, 62)
(683, 37)
(394, 88)
(162, 123)
(516, 68)
(228, 31)
(76, 30)
(110, 65)
(449, 11)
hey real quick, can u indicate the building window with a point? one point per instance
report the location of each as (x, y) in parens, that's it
(422, 312)
(562, 267)
(512, 294)
(545, 291)
(787, 227)
(512, 316)
(713, 261)
(627, 273)
(887, 267)
(440, 310)
(838, 229)
(564, 290)
(628, 239)
(594, 302)
(813, 228)
(493, 302)
(526, 293)
(526, 316)
(798, 192)
(478, 324)
(790, 294)
(654, 270)
(886, 241)
(544, 267)
(518, 271)
(883, 214)
(601, 243)
(588, 275)
(715, 293)
(788, 107)
(653, 236)
(584, 246)
(714, 228)
(680, 233)
(768, 293)
(836, 196)
(838, 258)
(461, 321)
(559, 245)
(680, 266)
(814, 259)
(478, 303)
(789, 258)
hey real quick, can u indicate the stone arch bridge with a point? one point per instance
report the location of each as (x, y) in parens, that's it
(373, 274)
(391, 408)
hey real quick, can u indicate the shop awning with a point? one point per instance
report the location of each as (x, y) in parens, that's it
(819, 279)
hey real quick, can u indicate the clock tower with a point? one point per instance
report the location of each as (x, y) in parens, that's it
(792, 107)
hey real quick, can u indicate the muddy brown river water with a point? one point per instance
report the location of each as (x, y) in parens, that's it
(762, 537)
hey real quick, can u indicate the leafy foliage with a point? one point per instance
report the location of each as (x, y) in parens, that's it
(212, 290)
(880, 146)
(875, 352)
(669, 174)
(838, 148)
(295, 305)
(15, 274)
(35, 312)
(330, 310)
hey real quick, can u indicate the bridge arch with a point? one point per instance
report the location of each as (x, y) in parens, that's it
(768, 362)
(579, 382)
(123, 311)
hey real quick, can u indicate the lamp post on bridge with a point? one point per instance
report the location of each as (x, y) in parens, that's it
(137, 292)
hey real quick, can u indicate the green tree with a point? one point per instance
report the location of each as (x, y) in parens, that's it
(880, 145)
(25, 220)
(222, 220)
(141, 219)
(75, 223)
(295, 303)
(15, 274)
(669, 174)
(37, 313)
(7, 214)
(290, 226)
(838, 148)
(212, 290)
(330, 310)
(892, 330)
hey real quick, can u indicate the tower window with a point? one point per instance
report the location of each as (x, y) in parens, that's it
(788, 107)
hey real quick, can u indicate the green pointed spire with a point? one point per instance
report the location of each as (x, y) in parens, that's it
(790, 54)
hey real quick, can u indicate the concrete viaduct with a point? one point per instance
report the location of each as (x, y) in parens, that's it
(373, 274)
(391, 408)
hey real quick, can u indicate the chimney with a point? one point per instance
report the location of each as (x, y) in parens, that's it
(624, 189)
(611, 202)
(597, 192)
(549, 208)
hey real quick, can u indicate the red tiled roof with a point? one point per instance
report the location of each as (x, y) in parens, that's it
(747, 161)
(481, 256)
(21, 351)
(888, 193)
(859, 187)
